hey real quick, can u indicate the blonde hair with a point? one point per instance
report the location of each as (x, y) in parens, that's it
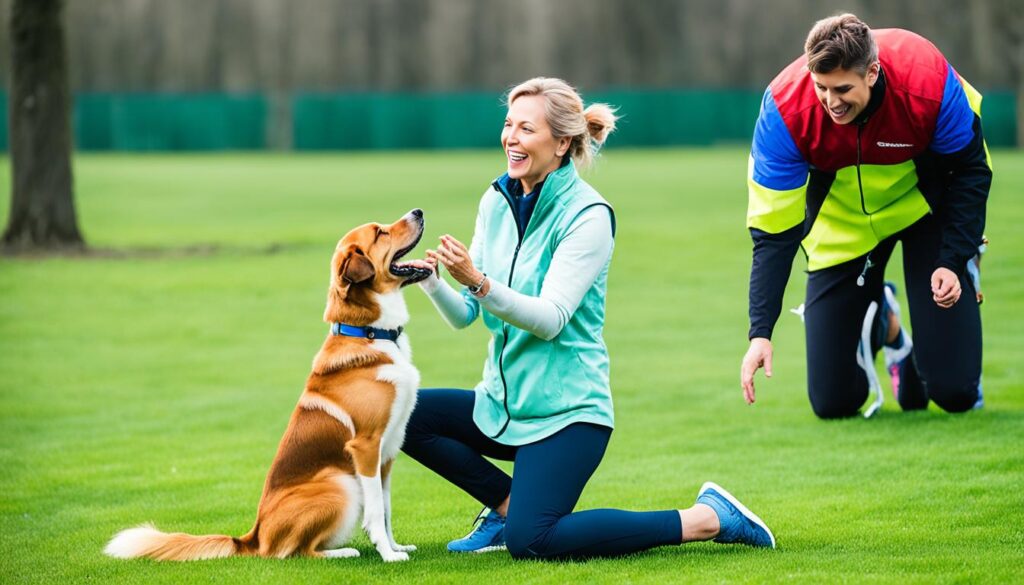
(588, 128)
(840, 42)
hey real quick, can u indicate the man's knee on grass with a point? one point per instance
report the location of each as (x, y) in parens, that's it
(953, 396)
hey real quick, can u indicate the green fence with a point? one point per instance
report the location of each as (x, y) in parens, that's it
(999, 116)
(368, 121)
(385, 121)
(169, 121)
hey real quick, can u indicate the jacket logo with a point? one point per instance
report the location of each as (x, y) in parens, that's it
(893, 144)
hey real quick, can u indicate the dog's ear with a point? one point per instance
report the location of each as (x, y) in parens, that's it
(355, 268)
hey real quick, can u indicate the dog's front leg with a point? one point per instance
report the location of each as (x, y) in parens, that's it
(385, 473)
(366, 455)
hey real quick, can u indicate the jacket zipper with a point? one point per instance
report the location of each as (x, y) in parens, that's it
(520, 231)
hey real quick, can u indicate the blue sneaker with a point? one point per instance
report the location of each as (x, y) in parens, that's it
(488, 536)
(738, 524)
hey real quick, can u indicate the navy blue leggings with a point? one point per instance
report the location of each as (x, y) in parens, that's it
(548, 480)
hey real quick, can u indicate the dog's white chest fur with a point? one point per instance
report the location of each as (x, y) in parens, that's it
(401, 373)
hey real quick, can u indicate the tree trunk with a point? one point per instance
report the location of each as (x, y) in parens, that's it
(42, 207)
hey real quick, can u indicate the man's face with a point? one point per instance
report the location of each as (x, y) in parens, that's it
(844, 93)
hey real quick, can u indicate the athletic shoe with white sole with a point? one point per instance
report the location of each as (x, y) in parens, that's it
(737, 523)
(489, 535)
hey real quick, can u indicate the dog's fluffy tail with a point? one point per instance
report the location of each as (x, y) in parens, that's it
(147, 541)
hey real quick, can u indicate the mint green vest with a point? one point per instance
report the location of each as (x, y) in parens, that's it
(532, 388)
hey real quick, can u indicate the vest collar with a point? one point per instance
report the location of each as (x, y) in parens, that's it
(875, 101)
(556, 182)
(367, 332)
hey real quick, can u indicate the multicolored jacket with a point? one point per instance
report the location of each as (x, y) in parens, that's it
(839, 190)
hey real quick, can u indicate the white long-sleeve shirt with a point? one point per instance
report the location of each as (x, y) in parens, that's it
(577, 261)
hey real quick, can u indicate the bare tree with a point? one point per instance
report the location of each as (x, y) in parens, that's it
(42, 206)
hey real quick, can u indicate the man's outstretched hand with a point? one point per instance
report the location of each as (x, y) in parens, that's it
(758, 355)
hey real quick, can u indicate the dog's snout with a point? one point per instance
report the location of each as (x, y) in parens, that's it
(417, 213)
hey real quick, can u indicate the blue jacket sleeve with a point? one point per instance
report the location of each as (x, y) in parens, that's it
(777, 192)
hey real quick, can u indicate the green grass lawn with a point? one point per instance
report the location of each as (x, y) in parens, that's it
(153, 383)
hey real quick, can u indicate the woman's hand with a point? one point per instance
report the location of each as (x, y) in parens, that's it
(455, 258)
(759, 354)
(945, 287)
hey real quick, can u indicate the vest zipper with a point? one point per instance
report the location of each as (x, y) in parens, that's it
(863, 206)
(504, 326)
(860, 184)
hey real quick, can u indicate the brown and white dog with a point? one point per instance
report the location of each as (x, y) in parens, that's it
(335, 457)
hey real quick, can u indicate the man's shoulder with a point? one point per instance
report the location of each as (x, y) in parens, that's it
(793, 91)
(914, 67)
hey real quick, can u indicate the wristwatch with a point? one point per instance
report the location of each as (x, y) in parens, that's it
(475, 289)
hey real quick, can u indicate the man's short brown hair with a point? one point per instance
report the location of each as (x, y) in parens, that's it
(840, 42)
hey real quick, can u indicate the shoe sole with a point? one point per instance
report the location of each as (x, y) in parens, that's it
(485, 549)
(743, 509)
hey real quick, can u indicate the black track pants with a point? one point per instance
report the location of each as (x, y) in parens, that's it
(947, 342)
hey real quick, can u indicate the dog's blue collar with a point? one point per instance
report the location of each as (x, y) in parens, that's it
(367, 332)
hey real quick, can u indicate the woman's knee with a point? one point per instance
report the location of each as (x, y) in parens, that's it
(523, 540)
(520, 551)
(422, 427)
(435, 408)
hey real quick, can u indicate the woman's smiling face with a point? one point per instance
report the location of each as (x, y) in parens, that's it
(531, 149)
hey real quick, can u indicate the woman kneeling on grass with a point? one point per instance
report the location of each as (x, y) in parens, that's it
(537, 270)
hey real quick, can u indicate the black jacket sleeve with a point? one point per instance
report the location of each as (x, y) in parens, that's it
(769, 273)
(961, 210)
